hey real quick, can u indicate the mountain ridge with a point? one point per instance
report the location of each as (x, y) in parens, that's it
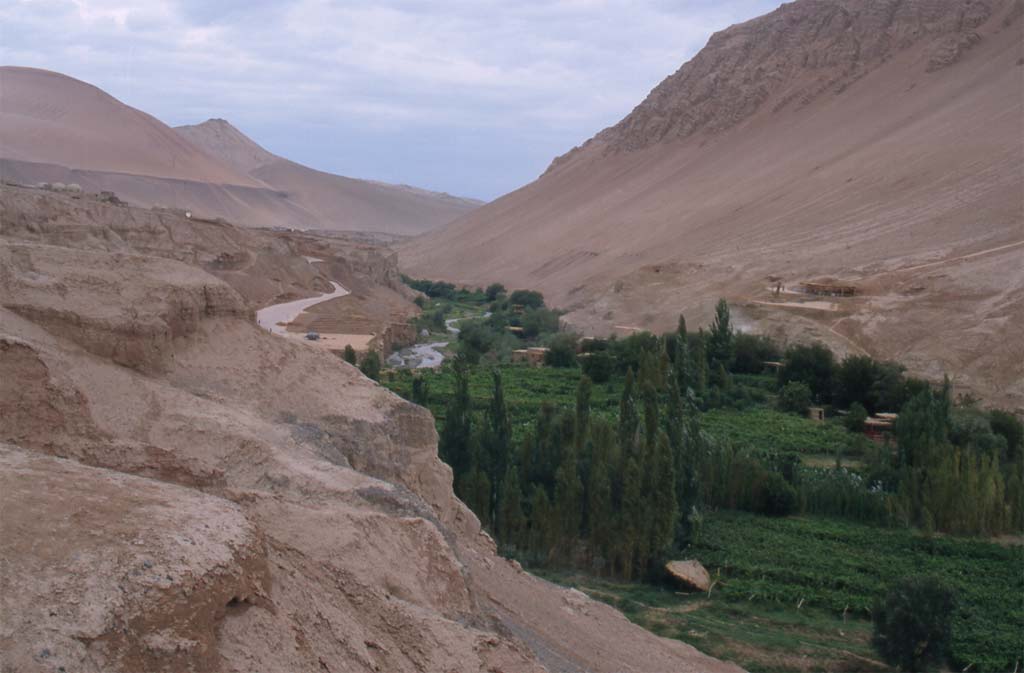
(55, 128)
(913, 160)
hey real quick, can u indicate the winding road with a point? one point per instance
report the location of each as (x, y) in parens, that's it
(276, 317)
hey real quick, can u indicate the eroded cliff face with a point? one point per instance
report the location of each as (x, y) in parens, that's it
(182, 491)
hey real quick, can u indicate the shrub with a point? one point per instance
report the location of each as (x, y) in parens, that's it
(795, 397)
(494, 290)
(778, 497)
(1009, 426)
(561, 351)
(349, 355)
(752, 351)
(812, 365)
(854, 421)
(913, 623)
(598, 365)
(527, 299)
(371, 365)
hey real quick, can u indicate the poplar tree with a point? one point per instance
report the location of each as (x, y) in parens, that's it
(721, 340)
(628, 418)
(453, 444)
(663, 505)
(568, 500)
(681, 360)
(499, 439)
(700, 366)
(600, 512)
(511, 521)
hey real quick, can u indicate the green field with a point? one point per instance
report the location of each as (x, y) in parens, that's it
(526, 388)
(759, 637)
(768, 429)
(764, 568)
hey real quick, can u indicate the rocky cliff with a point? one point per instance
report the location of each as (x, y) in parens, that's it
(182, 491)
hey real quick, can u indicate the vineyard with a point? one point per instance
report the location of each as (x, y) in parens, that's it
(842, 567)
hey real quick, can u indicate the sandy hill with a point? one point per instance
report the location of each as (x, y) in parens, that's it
(54, 128)
(876, 141)
(46, 117)
(184, 491)
(346, 203)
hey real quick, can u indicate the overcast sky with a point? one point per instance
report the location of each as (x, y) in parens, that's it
(472, 97)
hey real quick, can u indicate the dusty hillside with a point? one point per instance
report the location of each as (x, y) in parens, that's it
(828, 139)
(49, 118)
(337, 202)
(54, 128)
(184, 491)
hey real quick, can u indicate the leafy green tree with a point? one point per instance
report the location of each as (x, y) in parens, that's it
(795, 397)
(370, 365)
(812, 365)
(349, 354)
(598, 366)
(584, 390)
(600, 511)
(922, 426)
(475, 491)
(511, 520)
(854, 420)
(1009, 426)
(721, 340)
(855, 379)
(499, 433)
(454, 441)
(494, 291)
(700, 365)
(913, 623)
(752, 351)
(420, 391)
(631, 514)
(543, 522)
(568, 499)
(681, 362)
(629, 419)
(778, 497)
(561, 351)
(527, 299)
(663, 509)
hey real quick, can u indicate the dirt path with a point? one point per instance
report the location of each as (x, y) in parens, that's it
(951, 260)
(276, 317)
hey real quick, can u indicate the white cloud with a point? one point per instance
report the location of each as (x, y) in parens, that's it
(393, 89)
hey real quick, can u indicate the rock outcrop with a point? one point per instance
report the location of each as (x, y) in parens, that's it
(182, 491)
(691, 574)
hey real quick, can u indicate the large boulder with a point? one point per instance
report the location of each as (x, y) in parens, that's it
(690, 574)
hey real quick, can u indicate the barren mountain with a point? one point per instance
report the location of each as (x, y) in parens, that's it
(878, 142)
(348, 203)
(183, 491)
(57, 129)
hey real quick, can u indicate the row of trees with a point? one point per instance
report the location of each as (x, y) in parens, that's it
(616, 492)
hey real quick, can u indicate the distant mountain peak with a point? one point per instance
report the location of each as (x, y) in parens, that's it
(223, 140)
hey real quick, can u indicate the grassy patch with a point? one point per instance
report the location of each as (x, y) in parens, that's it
(842, 566)
(759, 638)
(769, 429)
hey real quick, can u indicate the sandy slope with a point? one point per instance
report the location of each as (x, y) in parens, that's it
(336, 202)
(57, 129)
(46, 117)
(827, 139)
(184, 491)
